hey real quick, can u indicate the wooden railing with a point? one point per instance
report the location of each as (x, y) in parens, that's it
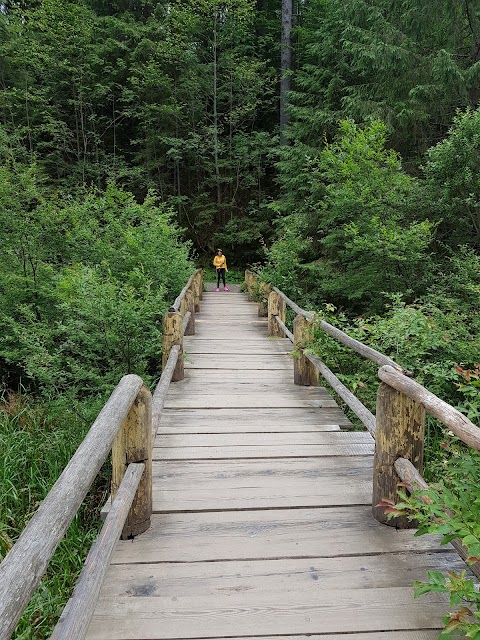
(402, 403)
(126, 425)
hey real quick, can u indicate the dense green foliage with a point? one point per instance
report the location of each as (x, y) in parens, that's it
(135, 135)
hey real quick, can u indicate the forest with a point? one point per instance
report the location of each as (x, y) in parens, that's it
(333, 145)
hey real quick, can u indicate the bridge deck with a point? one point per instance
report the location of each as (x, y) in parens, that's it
(262, 523)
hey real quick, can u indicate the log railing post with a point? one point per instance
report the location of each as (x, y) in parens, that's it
(263, 302)
(304, 372)
(276, 307)
(248, 283)
(133, 443)
(400, 433)
(197, 287)
(173, 334)
(200, 286)
(190, 306)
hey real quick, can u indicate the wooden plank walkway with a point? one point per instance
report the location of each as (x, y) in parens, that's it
(262, 524)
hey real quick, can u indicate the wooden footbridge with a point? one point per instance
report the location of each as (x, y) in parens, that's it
(249, 514)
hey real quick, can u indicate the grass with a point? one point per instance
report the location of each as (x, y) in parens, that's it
(37, 441)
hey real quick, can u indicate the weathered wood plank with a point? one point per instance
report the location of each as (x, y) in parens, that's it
(284, 533)
(258, 417)
(239, 361)
(245, 401)
(225, 348)
(214, 377)
(266, 451)
(424, 634)
(248, 428)
(226, 585)
(278, 577)
(255, 484)
(195, 387)
(262, 439)
(342, 611)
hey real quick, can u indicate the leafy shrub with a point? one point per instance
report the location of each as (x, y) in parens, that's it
(451, 508)
(354, 232)
(84, 285)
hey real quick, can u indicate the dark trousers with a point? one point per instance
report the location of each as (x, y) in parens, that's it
(220, 274)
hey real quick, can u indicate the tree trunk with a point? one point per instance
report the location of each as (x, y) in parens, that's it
(285, 64)
(215, 114)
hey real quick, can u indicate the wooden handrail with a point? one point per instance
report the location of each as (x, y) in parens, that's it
(459, 424)
(178, 300)
(180, 321)
(75, 619)
(24, 565)
(285, 329)
(298, 310)
(362, 349)
(360, 410)
(161, 389)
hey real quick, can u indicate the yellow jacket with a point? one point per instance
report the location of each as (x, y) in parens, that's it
(220, 262)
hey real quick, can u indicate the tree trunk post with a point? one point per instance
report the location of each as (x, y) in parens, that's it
(400, 433)
(173, 334)
(190, 306)
(196, 290)
(133, 443)
(200, 286)
(262, 303)
(249, 283)
(276, 307)
(304, 372)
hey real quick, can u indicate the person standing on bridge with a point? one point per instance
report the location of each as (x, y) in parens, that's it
(220, 264)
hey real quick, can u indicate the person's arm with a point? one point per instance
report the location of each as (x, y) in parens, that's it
(226, 264)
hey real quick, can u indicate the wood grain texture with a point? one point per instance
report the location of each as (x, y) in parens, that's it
(173, 335)
(304, 372)
(266, 451)
(400, 433)
(267, 582)
(262, 439)
(261, 484)
(341, 611)
(195, 387)
(276, 307)
(133, 443)
(278, 577)
(246, 401)
(450, 417)
(425, 634)
(236, 361)
(269, 534)
(246, 427)
(257, 417)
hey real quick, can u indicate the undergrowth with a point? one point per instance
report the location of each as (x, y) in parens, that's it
(37, 440)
